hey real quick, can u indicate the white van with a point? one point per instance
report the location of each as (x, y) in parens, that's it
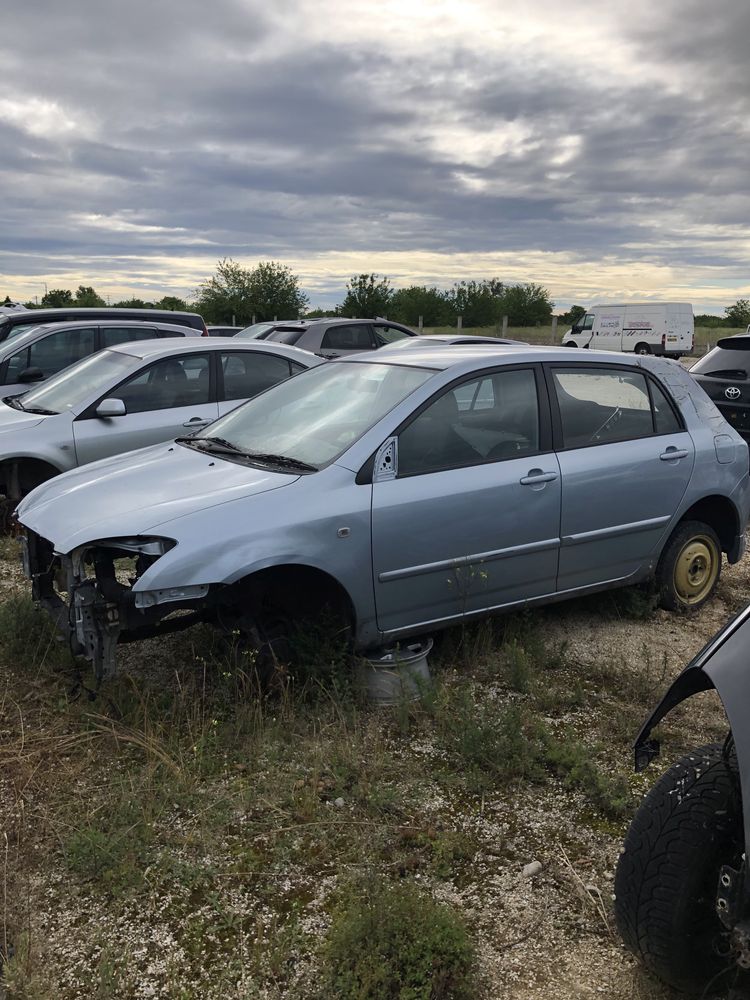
(664, 328)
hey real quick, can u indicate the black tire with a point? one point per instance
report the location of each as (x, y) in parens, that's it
(571, 343)
(642, 349)
(688, 826)
(689, 567)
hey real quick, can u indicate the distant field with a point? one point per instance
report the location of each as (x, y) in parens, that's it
(705, 337)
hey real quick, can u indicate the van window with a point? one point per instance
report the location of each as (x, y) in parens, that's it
(588, 322)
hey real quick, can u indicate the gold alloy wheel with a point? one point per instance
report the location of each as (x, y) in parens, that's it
(696, 569)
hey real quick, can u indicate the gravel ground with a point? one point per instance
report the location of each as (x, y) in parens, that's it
(546, 936)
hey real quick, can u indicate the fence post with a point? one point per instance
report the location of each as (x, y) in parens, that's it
(505, 326)
(459, 323)
(253, 319)
(421, 324)
(275, 318)
(233, 320)
(554, 329)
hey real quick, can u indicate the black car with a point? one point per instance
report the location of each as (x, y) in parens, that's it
(18, 321)
(332, 336)
(724, 374)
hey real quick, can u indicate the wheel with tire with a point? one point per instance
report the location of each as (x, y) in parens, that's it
(687, 828)
(642, 349)
(571, 343)
(689, 567)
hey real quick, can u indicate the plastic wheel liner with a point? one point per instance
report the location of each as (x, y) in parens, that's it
(724, 665)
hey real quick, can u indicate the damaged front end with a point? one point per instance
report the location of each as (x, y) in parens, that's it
(722, 665)
(92, 594)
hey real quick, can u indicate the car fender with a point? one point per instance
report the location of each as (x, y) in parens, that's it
(721, 665)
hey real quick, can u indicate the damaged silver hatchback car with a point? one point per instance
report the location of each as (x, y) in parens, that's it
(406, 490)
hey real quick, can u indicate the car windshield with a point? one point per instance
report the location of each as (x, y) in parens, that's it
(22, 328)
(318, 414)
(729, 363)
(255, 332)
(75, 384)
(285, 334)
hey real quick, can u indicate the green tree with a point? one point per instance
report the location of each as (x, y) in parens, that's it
(479, 303)
(366, 297)
(527, 305)
(171, 303)
(87, 296)
(274, 291)
(739, 313)
(57, 298)
(131, 304)
(238, 293)
(408, 304)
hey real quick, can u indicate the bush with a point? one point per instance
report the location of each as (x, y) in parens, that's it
(394, 942)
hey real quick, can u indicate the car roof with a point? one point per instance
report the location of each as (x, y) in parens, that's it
(13, 344)
(152, 350)
(466, 356)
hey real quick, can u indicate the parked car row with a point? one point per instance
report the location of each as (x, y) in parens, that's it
(403, 489)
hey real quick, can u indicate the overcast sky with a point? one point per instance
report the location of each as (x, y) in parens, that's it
(599, 149)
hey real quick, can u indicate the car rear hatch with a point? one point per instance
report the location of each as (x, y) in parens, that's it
(724, 375)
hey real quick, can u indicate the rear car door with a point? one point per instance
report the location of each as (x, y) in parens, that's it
(626, 461)
(471, 519)
(166, 399)
(243, 374)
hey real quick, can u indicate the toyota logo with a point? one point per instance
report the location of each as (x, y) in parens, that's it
(732, 392)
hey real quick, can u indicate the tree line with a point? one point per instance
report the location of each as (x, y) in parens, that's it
(238, 295)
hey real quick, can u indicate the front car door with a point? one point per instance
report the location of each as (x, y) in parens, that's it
(166, 399)
(626, 461)
(50, 354)
(471, 519)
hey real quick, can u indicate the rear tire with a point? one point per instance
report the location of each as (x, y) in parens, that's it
(689, 567)
(570, 344)
(688, 826)
(642, 349)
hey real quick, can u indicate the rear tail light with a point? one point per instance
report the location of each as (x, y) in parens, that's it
(205, 331)
(664, 340)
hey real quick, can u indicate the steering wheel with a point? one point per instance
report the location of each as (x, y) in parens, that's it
(611, 420)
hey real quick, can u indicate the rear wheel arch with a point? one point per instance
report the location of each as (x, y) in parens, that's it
(718, 513)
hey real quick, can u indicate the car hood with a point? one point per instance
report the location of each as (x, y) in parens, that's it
(14, 420)
(134, 493)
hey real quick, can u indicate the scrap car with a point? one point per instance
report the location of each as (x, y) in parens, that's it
(405, 491)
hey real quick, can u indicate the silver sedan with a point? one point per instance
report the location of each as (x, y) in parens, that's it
(130, 396)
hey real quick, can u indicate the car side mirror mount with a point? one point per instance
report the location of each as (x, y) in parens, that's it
(31, 375)
(111, 408)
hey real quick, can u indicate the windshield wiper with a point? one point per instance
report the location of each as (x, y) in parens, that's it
(727, 373)
(15, 402)
(222, 446)
(283, 460)
(211, 444)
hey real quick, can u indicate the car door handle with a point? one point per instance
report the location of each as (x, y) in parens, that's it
(535, 477)
(672, 453)
(196, 422)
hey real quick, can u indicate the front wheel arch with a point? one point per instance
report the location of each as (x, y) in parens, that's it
(18, 476)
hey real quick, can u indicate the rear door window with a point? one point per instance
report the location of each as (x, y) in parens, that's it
(246, 373)
(387, 334)
(599, 405)
(111, 335)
